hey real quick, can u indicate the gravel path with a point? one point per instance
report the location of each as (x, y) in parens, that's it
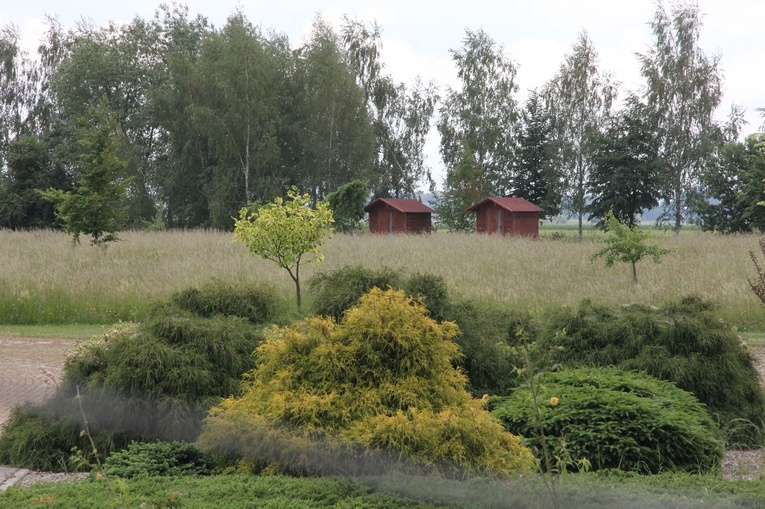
(29, 370)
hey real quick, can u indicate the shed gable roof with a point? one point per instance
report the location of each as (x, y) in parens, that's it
(511, 204)
(402, 205)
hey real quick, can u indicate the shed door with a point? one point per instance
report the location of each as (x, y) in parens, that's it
(390, 221)
(499, 222)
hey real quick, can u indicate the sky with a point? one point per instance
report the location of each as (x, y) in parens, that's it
(418, 34)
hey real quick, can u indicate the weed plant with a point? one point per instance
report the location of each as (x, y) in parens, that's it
(44, 279)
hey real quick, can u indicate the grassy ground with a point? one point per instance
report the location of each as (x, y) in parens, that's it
(235, 492)
(45, 280)
(73, 331)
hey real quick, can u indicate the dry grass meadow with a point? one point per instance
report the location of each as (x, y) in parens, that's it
(45, 279)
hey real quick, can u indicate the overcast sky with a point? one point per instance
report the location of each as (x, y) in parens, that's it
(418, 34)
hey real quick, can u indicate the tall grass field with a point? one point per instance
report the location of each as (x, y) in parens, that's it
(45, 279)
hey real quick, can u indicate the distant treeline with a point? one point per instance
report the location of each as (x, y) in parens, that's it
(195, 121)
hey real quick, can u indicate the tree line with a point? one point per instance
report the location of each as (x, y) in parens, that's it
(172, 122)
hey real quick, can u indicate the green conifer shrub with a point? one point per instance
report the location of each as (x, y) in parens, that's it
(257, 304)
(147, 382)
(614, 420)
(336, 291)
(431, 289)
(685, 343)
(375, 392)
(490, 339)
(158, 459)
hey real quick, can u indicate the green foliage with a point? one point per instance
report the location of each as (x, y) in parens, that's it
(333, 135)
(579, 98)
(287, 233)
(432, 291)
(733, 187)
(615, 419)
(219, 492)
(347, 204)
(376, 391)
(489, 339)
(685, 343)
(627, 244)
(256, 304)
(626, 169)
(478, 120)
(29, 168)
(683, 88)
(169, 459)
(400, 113)
(142, 382)
(37, 437)
(96, 206)
(337, 291)
(537, 177)
(462, 188)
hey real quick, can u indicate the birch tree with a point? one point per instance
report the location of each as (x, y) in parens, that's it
(580, 97)
(682, 91)
(482, 114)
(401, 115)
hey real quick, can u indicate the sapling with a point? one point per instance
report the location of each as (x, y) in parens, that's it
(628, 245)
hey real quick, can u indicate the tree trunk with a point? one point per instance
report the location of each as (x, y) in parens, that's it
(678, 204)
(297, 288)
(634, 272)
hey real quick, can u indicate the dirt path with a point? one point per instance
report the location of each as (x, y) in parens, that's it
(28, 370)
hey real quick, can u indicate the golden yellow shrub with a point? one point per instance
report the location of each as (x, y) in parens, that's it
(373, 393)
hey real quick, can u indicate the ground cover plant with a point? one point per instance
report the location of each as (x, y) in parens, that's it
(605, 489)
(605, 418)
(144, 382)
(683, 342)
(376, 392)
(43, 279)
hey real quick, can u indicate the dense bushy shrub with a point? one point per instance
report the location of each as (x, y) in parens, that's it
(490, 339)
(614, 419)
(377, 391)
(431, 289)
(685, 343)
(256, 304)
(338, 290)
(158, 459)
(153, 381)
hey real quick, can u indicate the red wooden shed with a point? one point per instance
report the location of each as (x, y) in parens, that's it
(508, 216)
(389, 215)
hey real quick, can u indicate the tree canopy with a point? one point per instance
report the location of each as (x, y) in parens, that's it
(215, 118)
(289, 233)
